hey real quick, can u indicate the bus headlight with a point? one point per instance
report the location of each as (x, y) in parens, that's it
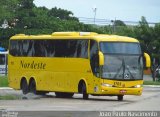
(138, 86)
(106, 85)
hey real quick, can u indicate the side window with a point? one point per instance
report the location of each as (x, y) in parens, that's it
(82, 49)
(27, 48)
(94, 57)
(49, 48)
(60, 48)
(71, 48)
(30, 48)
(15, 47)
(40, 49)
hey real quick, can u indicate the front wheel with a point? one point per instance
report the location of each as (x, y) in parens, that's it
(84, 92)
(120, 97)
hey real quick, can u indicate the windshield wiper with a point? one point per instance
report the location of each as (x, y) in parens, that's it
(130, 73)
(122, 66)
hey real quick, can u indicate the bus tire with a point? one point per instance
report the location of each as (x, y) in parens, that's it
(120, 97)
(84, 91)
(32, 87)
(24, 86)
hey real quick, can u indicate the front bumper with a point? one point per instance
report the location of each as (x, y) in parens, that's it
(121, 91)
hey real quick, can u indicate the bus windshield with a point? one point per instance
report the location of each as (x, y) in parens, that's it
(120, 48)
(123, 61)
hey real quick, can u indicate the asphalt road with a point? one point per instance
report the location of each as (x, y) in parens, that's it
(40, 106)
(149, 100)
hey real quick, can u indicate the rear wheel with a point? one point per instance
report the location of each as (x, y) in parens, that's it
(32, 87)
(24, 87)
(84, 91)
(120, 97)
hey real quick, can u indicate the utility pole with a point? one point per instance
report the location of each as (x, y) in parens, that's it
(114, 25)
(94, 10)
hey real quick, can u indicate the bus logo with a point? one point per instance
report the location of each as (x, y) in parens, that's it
(126, 76)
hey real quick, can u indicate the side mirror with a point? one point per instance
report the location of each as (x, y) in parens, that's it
(101, 58)
(148, 60)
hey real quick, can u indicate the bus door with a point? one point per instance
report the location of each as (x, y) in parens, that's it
(94, 62)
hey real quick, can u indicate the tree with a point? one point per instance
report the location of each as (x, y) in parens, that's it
(8, 9)
(119, 23)
(24, 13)
(61, 14)
(149, 42)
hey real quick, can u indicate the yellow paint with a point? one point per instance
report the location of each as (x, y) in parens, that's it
(148, 60)
(64, 74)
(101, 58)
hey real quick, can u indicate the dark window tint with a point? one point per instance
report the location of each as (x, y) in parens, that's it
(94, 57)
(49, 48)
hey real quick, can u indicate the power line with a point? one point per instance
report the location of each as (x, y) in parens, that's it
(98, 21)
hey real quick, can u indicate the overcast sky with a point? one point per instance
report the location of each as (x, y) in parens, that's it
(126, 10)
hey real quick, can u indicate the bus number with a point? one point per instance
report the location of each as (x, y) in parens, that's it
(117, 84)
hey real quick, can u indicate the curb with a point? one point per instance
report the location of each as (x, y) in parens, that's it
(6, 88)
(154, 86)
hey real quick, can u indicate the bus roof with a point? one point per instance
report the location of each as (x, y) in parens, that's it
(77, 35)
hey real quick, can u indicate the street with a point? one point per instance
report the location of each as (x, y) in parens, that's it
(148, 101)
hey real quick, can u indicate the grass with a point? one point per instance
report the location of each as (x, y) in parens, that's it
(9, 97)
(3, 81)
(151, 83)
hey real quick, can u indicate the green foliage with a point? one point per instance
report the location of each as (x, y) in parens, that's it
(8, 8)
(145, 33)
(119, 23)
(9, 97)
(151, 83)
(61, 14)
(3, 81)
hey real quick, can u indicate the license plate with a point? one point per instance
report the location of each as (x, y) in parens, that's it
(123, 91)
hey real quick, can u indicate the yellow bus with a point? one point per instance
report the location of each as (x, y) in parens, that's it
(76, 62)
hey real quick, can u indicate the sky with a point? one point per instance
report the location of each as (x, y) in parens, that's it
(125, 10)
